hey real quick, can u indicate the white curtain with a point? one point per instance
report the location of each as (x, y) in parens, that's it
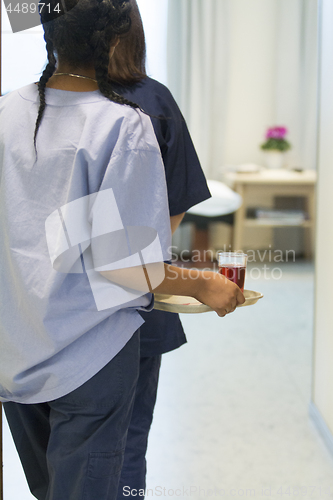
(154, 17)
(239, 66)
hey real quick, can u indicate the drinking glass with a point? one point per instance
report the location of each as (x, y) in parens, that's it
(233, 265)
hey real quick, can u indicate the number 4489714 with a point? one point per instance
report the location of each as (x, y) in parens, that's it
(26, 8)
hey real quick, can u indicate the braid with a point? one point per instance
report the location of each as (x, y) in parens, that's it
(47, 73)
(81, 33)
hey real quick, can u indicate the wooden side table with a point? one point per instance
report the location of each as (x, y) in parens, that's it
(274, 183)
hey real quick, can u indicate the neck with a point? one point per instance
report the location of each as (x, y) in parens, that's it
(65, 82)
(87, 70)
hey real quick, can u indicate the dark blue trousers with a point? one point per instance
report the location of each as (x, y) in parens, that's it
(133, 474)
(72, 448)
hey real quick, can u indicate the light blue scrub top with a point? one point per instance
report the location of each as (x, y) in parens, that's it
(98, 173)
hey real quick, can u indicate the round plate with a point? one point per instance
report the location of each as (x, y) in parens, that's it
(180, 304)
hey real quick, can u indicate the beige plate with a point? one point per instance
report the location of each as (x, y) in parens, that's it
(179, 304)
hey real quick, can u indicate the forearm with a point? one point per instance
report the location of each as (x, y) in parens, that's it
(182, 281)
(208, 287)
(178, 281)
(175, 220)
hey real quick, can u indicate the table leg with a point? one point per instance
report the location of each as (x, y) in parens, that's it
(200, 244)
(309, 246)
(239, 220)
(312, 213)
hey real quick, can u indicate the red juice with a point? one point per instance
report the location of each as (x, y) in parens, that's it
(234, 273)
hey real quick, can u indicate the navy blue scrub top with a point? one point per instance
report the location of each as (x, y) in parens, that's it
(187, 186)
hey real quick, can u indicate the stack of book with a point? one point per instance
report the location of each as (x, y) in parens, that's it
(280, 217)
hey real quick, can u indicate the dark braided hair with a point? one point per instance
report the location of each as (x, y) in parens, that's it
(81, 32)
(47, 73)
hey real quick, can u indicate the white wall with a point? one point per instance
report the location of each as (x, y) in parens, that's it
(24, 55)
(322, 395)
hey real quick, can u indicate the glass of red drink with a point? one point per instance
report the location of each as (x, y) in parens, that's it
(233, 265)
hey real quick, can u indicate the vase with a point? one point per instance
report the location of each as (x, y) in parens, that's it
(274, 159)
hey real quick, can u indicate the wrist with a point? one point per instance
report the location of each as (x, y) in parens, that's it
(200, 285)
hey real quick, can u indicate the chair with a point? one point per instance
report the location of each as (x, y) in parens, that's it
(219, 208)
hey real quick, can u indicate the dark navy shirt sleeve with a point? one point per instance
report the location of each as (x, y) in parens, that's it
(186, 182)
(187, 186)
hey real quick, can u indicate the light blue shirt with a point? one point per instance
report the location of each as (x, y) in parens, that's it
(99, 161)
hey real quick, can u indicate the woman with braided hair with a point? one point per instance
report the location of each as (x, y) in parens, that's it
(84, 232)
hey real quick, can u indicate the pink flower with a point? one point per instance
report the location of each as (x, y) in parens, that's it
(276, 133)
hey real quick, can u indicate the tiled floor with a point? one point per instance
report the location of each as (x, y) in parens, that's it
(232, 413)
